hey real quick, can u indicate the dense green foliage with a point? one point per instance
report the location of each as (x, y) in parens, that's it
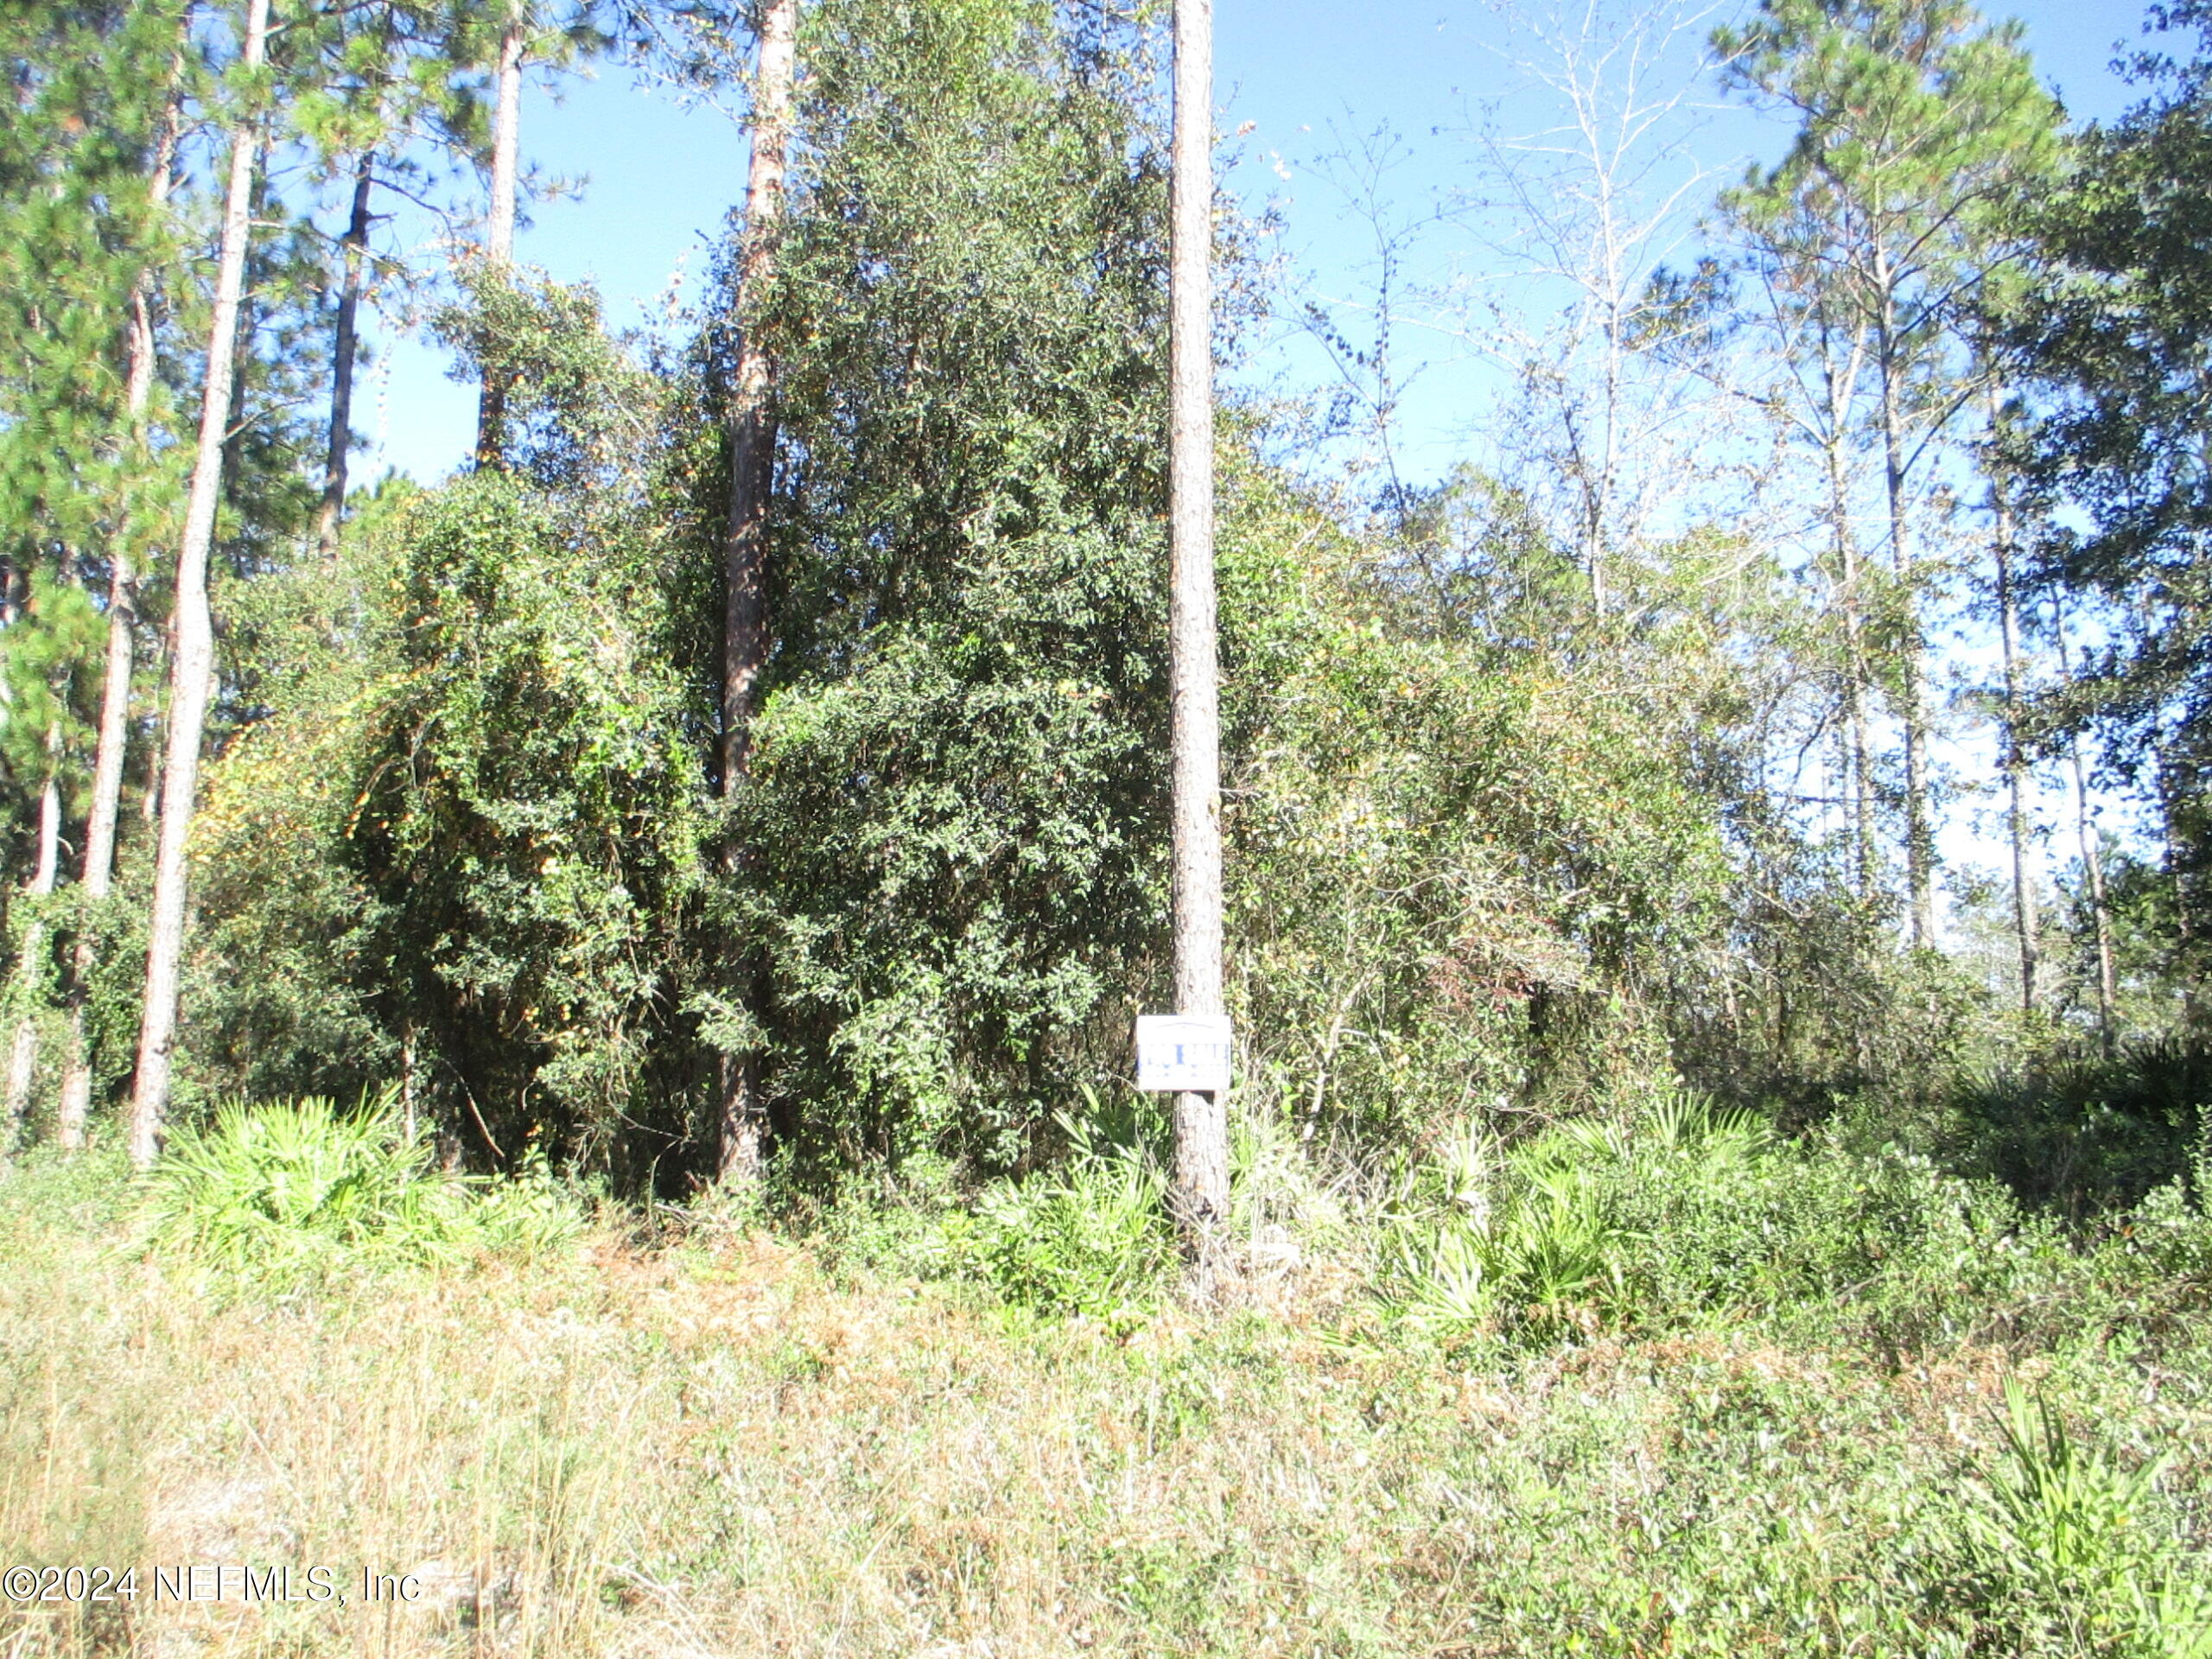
(1502, 852)
(1653, 1229)
(272, 1195)
(955, 818)
(2112, 336)
(89, 85)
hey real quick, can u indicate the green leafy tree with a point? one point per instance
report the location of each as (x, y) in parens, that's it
(2111, 336)
(92, 144)
(476, 835)
(82, 165)
(957, 769)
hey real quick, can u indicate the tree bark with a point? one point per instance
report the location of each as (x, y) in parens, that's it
(22, 1054)
(193, 668)
(2025, 926)
(1198, 1194)
(342, 352)
(97, 875)
(738, 1118)
(2093, 863)
(1919, 835)
(1855, 675)
(2093, 868)
(499, 226)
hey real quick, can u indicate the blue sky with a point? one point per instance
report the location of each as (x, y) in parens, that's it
(655, 181)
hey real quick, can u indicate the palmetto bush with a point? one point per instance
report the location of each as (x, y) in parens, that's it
(1665, 1214)
(1089, 1237)
(288, 1188)
(1555, 1235)
(2055, 1520)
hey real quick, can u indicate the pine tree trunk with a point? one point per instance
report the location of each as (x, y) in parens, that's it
(194, 665)
(1199, 1195)
(22, 1054)
(74, 1107)
(1919, 834)
(752, 453)
(2093, 867)
(2025, 926)
(2093, 863)
(500, 227)
(112, 746)
(1855, 673)
(342, 353)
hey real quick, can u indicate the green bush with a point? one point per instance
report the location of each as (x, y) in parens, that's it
(1091, 1238)
(1678, 1214)
(2084, 1134)
(2061, 1532)
(2171, 1234)
(289, 1189)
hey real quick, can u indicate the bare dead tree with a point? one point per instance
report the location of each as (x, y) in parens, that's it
(1572, 216)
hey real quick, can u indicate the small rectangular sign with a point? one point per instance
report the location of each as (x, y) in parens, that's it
(1180, 1053)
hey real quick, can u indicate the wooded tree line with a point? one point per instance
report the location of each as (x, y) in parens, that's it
(756, 754)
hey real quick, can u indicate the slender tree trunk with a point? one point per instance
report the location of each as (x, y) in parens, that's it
(753, 453)
(112, 746)
(192, 672)
(1609, 442)
(23, 1055)
(1199, 1192)
(97, 873)
(1855, 673)
(1919, 834)
(2025, 926)
(2093, 863)
(235, 426)
(342, 353)
(500, 227)
(2092, 869)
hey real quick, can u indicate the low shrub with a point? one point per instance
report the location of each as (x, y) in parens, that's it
(287, 1189)
(1678, 1214)
(1090, 1238)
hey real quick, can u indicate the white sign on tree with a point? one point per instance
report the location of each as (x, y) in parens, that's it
(1183, 1053)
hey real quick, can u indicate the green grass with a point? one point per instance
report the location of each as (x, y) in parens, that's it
(1665, 1387)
